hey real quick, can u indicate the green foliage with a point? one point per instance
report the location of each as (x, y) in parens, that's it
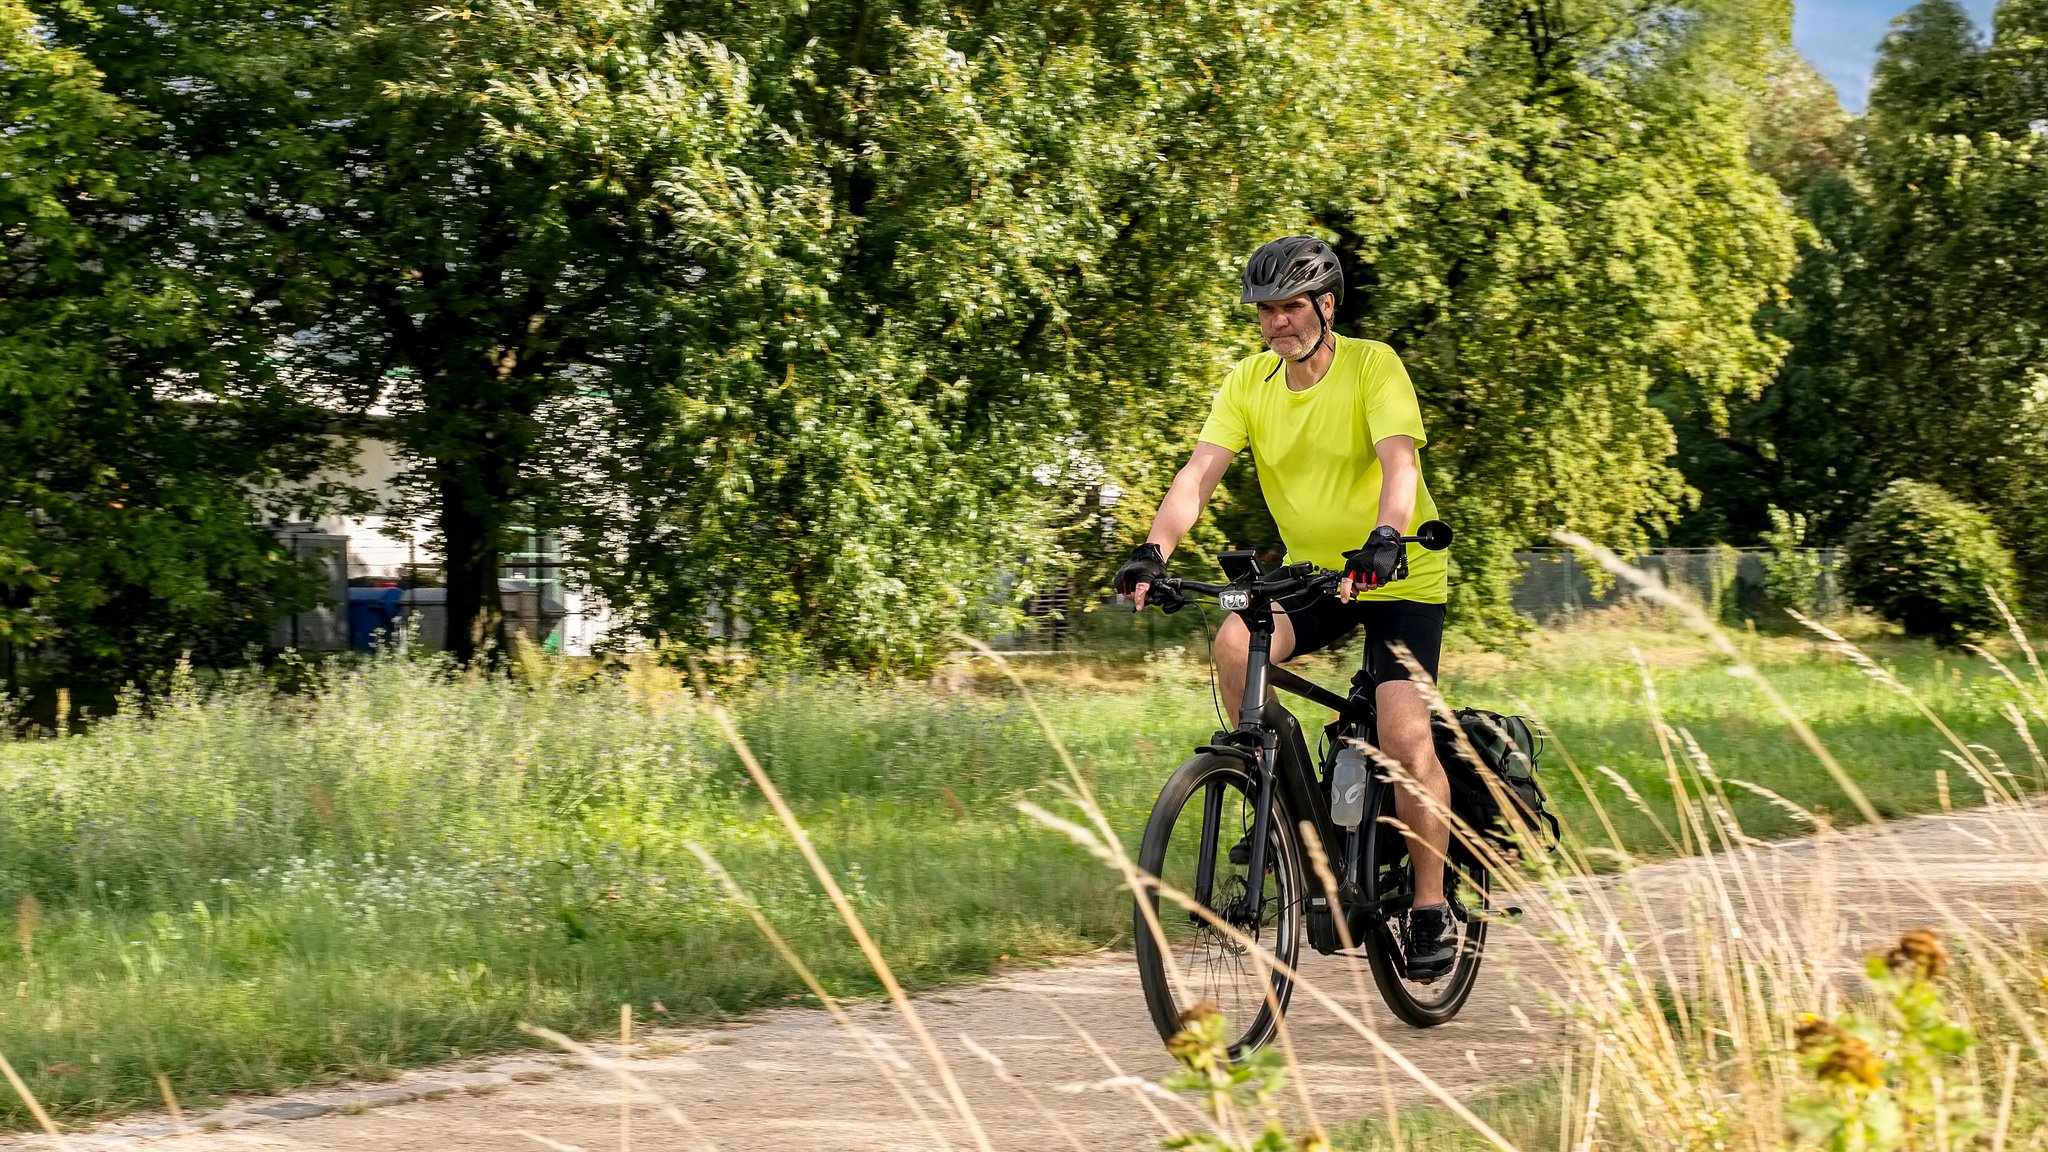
(843, 318)
(998, 282)
(1883, 1078)
(137, 415)
(1923, 559)
(1599, 238)
(1238, 1094)
(1922, 290)
(1792, 571)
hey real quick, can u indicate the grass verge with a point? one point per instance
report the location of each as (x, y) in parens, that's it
(247, 892)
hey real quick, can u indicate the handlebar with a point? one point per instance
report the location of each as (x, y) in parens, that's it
(1290, 580)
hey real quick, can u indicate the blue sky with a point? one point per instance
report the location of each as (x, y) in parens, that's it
(1841, 38)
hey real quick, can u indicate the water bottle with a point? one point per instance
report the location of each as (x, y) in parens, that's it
(1347, 787)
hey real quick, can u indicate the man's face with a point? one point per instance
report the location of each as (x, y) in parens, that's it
(1289, 326)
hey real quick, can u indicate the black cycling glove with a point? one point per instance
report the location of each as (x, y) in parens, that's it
(1146, 566)
(1383, 560)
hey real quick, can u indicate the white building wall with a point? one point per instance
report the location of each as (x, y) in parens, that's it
(378, 546)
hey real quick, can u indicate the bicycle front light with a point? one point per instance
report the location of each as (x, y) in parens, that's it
(1234, 599)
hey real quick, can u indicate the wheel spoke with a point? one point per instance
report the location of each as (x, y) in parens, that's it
(1214, 814)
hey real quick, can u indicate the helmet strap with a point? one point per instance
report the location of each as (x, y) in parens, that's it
(1322, 334)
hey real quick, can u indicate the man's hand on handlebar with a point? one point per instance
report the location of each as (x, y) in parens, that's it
(1138, 574)
(1380, 562)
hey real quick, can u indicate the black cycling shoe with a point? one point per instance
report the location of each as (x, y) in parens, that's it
(1432, 943)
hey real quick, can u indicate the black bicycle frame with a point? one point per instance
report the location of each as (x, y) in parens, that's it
(1277, 765)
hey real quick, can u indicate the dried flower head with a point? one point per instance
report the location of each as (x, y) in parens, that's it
(1195, 1014)
(1852, 1062)
(1920, 953)
(1814, 1033)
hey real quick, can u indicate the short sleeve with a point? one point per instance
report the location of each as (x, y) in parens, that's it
(1391, 408)
(1226, 427)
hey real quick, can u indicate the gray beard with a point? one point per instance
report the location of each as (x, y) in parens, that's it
(1301, 345)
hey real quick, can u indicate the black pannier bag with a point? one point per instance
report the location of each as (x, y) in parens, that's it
(1508, 748)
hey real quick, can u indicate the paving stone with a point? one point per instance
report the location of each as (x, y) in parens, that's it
(383, 1097)
(467, 1080)
(231, 1118)
(292, 1109)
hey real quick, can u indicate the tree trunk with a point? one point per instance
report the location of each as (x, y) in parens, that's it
(473, 520)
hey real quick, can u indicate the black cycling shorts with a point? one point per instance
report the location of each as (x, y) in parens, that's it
(1325, 620)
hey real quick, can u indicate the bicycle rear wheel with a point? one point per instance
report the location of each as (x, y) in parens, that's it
(1389, 891)
(1200, 963)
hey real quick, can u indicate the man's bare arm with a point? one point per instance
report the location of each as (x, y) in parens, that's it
(1189, 494)
(1400, 476)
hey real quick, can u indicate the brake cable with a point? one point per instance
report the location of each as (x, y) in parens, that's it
(1209, 644)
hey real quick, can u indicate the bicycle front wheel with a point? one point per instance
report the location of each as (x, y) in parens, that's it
(1203, 812)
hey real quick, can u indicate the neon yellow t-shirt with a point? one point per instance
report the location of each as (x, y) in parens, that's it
(1314, 449)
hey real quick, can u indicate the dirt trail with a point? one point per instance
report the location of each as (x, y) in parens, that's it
(794, 1080)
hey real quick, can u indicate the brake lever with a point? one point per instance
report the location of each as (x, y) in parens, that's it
(1167, 600)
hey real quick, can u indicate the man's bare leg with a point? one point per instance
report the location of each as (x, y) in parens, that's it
(1233, 650)
(1405, 736)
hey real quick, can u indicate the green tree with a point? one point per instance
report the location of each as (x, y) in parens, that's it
(1931, 300)
(1600, 239)
(1930, 76)
(1793, 444)
(138, 416)
(993, 272)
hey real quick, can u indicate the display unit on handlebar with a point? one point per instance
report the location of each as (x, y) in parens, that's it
(1226, 829)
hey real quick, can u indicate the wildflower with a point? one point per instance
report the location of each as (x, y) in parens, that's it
(1843, 1058)
(1198, 1045)
(1814, 1033)
(1190, 1017)
(1852, 1062)
(1920, 953)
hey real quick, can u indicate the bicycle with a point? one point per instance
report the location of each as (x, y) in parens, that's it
(1258, 781)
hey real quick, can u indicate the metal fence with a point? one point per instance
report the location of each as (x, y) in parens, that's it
(1557, 584)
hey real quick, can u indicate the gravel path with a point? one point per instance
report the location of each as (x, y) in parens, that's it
(795, 1080)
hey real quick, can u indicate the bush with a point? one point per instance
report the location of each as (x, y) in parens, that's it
(1792, 571)
(1923, 559)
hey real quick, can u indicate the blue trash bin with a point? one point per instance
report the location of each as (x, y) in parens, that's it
(372, 611)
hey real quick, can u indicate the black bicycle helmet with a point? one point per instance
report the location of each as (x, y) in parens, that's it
(1292, 266)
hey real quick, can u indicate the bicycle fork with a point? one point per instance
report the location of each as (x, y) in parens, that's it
(1264, 771)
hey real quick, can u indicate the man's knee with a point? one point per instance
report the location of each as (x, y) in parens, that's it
(1233, 642)
(1405, 732)
(1418, 756)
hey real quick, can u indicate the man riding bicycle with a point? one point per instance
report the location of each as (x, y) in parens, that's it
(1337, 442)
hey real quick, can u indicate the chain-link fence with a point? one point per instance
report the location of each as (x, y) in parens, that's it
(1557, 584)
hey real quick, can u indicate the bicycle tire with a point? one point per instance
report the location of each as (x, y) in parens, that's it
(1386, 877)
(1281, 930)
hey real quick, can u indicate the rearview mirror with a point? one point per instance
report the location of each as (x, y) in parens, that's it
(1434, 535)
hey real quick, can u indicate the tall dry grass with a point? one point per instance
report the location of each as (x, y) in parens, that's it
(1730, 999)
(1831, 992)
